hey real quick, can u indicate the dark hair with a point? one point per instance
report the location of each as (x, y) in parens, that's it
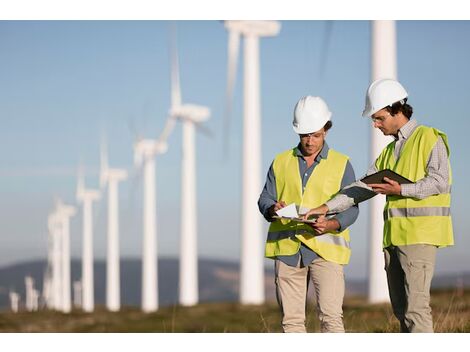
(396, 107)
(328, 125)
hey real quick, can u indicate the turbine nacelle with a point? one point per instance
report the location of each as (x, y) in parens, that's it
(53, 222)
(148, 148)
(191, 112)
(256, 28)
(83, 193)
(88, 194)
(116, 174)
(63, 210)
(105, 172)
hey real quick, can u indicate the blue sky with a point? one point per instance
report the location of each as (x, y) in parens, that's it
(63, 83)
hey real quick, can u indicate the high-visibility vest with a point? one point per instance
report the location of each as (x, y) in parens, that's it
(410, 220)
(285, 236)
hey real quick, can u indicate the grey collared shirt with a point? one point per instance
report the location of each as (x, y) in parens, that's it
(268, 198)
(435, 182)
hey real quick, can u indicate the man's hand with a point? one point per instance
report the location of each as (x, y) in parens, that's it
(276, 207)
(321, 210)
(323, 225)
(389, 188)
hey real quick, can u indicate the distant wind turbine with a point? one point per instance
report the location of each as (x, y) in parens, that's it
(29, 288)
(65, 212)
(145, 151)
(111, 178)
(47, 282)
(77, 294)
(55, 238)
(191, 116)
(87, 197)
(252, 269)
(14, 301)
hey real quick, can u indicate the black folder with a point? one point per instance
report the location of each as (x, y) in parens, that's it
(379, 176)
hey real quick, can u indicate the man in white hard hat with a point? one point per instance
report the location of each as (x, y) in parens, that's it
(307, 175)
(417, 215)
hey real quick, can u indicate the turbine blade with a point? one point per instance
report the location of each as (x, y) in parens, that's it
(80, 181)
(325, 48)
(169, 126)
(131, 125)
(175, 75)
(204, 130)
(103, 162)
(233, 49)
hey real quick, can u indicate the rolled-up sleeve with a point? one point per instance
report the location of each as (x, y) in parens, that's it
(349, 216)
(268, 196)
(354, 193)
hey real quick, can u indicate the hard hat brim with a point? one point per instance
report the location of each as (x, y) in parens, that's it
(317, 126)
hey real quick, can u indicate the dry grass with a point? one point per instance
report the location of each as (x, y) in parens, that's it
(451, 312)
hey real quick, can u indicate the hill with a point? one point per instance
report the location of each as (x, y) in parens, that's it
(218, 281)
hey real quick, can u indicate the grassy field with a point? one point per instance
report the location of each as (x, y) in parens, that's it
(451, 312)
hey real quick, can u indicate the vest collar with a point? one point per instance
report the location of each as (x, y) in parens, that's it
(407, 129)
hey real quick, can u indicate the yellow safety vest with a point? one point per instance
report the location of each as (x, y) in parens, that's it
(409, 220)
(285, 236)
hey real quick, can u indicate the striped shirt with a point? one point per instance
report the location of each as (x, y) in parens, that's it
(435, 182)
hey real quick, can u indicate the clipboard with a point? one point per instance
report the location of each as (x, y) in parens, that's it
(308, 221)
(379, 176)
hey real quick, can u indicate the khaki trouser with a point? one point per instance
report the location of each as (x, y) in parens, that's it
(291, 291)
(409, 274)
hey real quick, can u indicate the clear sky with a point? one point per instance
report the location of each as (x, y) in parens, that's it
(63, 83)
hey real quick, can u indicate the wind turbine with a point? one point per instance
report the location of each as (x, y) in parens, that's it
(77, 294)
(144, 156)
(55, 235)
(47, 290)
(87, 197)
(191, 116)
(14, 301)
(384, 65)
(252, 270)
(111, 178)
(47, 282)
(29, 288)
(65, 212)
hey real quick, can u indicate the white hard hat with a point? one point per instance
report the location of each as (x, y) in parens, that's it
(310, 115)
(382, 93)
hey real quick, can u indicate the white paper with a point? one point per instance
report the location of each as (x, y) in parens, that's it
(289, 211)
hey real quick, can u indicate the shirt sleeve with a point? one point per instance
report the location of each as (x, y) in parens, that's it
(436, 180)
(348, 217)
(354, 193)
(268, 196)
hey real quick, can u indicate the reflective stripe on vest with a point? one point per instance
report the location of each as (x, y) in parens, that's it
(284, 236)
(326, 238)
(410, 220)
(410, 212)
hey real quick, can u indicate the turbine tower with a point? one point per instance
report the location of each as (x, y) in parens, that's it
(55, 235)
(191, 117)
(111, 178)
(14, 301)
(144, 156)
(384, 65)
(65, 212)
(252, 270)
(87, 197)
(77, 294)
(46, 282)
(29, 285)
